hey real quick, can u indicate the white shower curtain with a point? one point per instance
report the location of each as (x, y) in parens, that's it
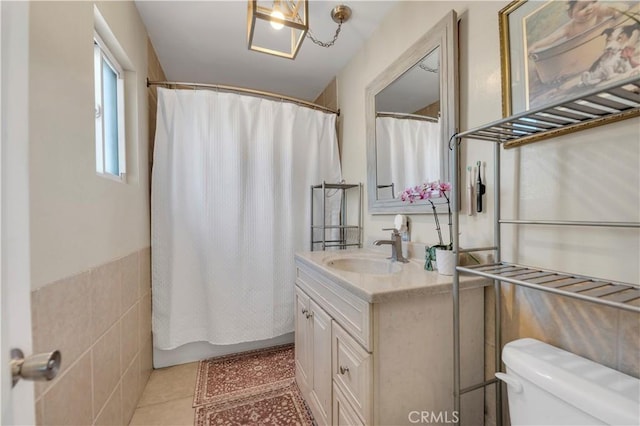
(411, 148)
(230, 206)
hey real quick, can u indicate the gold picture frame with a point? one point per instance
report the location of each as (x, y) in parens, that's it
(547, 54)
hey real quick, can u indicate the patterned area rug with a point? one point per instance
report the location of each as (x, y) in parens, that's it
(250, 388)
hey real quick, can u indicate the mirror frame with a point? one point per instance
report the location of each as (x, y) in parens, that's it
(445, 35)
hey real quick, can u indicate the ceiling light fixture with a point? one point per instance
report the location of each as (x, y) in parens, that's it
(292, 14)
(278, 15)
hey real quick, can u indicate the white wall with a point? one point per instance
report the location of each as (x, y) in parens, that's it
(78, 219)
(15, 327)
(590, 175)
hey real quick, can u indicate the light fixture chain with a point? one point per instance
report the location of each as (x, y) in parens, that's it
(427, 68)
(322, 43)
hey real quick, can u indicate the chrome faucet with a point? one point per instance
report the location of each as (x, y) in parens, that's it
(396, 245)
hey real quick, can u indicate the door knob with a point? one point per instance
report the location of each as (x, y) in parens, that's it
(42, 366)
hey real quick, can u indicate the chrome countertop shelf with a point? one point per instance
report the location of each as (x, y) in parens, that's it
(604, 292)
(335, 185)
(324, 233)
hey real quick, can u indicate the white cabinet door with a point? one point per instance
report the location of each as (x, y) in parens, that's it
(321, 368)
(343, 413)
(303, 344)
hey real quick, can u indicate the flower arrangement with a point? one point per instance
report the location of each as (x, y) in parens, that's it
(429, 191)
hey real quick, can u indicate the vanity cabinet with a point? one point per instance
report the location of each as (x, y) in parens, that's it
(313, 367)
(376, 350)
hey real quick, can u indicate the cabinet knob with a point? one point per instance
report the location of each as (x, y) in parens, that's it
(344, 370)
(305, 311)
(309, 315)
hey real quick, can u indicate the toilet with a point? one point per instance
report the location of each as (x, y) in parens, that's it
(549, 386)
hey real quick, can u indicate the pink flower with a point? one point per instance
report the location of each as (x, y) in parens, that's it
(426, 191)
(445, 186)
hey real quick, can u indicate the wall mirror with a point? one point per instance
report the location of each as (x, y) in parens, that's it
(411, 112)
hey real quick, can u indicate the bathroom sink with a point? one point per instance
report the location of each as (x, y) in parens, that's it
(363, 265)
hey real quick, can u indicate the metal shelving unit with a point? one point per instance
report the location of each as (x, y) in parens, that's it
(611, 103)
(341, 236)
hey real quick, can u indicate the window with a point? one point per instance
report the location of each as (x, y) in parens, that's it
(109, 109)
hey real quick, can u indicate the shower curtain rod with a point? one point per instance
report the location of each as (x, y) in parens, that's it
(252, 92)
(407, 116)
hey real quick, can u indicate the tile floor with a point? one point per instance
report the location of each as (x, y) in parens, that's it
(168, 397)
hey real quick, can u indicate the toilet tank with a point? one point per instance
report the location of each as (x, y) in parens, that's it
(550, 386)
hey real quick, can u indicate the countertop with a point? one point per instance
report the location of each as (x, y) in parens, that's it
(412, 279)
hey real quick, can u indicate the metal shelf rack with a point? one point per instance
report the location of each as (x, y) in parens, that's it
(342, 235)
(611, 103)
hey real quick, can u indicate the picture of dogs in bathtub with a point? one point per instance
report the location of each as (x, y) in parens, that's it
(573, 46)
(583, 16)
(621, 55)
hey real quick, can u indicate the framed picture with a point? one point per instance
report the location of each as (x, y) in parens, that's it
(553, 50)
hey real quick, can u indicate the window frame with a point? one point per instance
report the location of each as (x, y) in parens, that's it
(101, 52)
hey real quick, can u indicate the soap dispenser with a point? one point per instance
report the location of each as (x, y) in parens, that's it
(401, 223)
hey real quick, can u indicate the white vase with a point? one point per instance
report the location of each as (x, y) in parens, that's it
(445, 261)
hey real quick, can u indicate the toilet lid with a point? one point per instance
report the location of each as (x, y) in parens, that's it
(600, 391)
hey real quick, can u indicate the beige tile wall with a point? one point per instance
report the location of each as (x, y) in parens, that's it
(605, 335)
(329, 99)
(329, 96)
(154, 73)
(100, 320)
(432, 110)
